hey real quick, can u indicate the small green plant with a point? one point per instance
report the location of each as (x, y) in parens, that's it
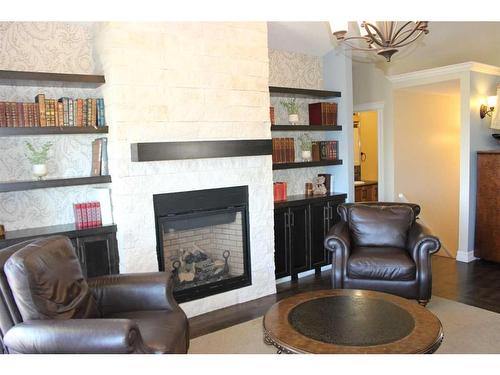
(305, 142)
(291, 106)
(38, 156)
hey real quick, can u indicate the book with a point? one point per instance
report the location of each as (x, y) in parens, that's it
(98, 213)
(96, 157)
(271, 114)
(93, 120)
(316, 155)
(279, 191)
(3, 118)
(40, 100)
(60, 114)
(77, 212)
(104, 156)
(71, 119)
(79, 112)
(84, 112)
(20, 115)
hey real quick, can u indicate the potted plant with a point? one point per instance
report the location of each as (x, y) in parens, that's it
(293, 110)
(306, 147)
(38, 158)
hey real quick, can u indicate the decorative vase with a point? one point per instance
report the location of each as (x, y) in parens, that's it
(293, 119)
(306, 155)
(39, 170)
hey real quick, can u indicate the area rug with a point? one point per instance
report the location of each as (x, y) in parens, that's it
(467, 329)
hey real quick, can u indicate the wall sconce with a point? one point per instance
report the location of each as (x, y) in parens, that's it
(487, 109)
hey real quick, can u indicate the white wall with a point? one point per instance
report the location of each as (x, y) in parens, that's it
(427, 158)
(371, 86)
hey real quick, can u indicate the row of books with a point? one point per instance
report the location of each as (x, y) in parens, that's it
(87, 215)
(325, 150)
(100, 157)
(283, 150)
(279, 191)
(51, 112)
(323, 113)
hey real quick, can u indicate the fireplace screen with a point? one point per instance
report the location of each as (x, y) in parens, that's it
(206, 250)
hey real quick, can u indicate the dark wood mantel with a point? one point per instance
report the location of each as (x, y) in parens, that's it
(155, 151)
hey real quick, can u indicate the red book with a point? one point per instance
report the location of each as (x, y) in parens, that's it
(98, 212)
(93, 209)
(90, 215)
(85, 220)
(77, 211)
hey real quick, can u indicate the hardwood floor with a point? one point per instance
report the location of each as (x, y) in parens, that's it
(476, 283)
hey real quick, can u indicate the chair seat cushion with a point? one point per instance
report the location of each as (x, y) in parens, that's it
(162, 331)
(381, 263)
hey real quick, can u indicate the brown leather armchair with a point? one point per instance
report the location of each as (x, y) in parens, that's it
(47, 306)
(381, 246)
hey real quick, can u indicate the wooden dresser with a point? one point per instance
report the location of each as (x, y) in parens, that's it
(487, 238)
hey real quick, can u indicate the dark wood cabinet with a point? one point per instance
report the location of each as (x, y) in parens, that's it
(487, 239)
(300, 226)
(366, 193)
(96, 248)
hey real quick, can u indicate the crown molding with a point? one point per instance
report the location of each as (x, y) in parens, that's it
(470, 66)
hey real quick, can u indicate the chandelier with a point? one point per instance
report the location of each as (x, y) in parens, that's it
(384, 38)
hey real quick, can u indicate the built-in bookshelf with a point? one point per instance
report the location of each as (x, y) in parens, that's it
(306, 164)
(52, 183)
(19, 79)
(305, 93)
(306, 128)
(52, 130)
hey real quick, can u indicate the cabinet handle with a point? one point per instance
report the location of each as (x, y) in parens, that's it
(292, 221)
(287, 220)
(330, 210)
(326, 213)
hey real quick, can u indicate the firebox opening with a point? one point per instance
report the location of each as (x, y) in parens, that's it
(206, 250)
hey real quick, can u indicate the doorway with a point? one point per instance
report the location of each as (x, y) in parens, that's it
(366, 156)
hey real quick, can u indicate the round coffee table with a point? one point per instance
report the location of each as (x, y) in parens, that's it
(348, 321)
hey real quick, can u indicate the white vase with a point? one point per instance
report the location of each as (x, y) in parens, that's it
(293, 119)
(39, 170)
(306, 155)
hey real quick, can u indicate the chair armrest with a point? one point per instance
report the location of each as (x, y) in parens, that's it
(421, 242)
(85, 336)
(133, 292)
(338, 239)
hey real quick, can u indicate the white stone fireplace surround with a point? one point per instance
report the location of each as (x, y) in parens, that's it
(187, 82)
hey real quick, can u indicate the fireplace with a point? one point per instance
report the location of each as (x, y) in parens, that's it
(203, 240)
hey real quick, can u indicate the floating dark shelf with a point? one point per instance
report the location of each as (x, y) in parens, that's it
(312, 128)
(300, 199)
(52, 130)
(60, 182)
(308, 92)
(306, 164)
(68, 230)
(23, 78)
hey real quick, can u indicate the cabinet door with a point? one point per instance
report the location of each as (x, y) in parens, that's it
(318, 220)
(97, 255)
(281, 251)
(298, 245)
(357, 194)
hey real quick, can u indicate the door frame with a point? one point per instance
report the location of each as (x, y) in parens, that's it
(379, 108)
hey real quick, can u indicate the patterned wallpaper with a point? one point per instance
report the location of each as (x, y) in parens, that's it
(52, 47)
(303, 71)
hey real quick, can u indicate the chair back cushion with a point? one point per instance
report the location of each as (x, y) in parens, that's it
(47, 282)
(380, 225)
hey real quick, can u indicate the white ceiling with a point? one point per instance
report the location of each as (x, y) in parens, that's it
(447, 43)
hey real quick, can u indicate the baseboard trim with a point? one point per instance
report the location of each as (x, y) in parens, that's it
(465, 256)
(302, 274)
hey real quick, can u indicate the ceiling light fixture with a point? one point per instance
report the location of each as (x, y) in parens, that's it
(384, 38)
